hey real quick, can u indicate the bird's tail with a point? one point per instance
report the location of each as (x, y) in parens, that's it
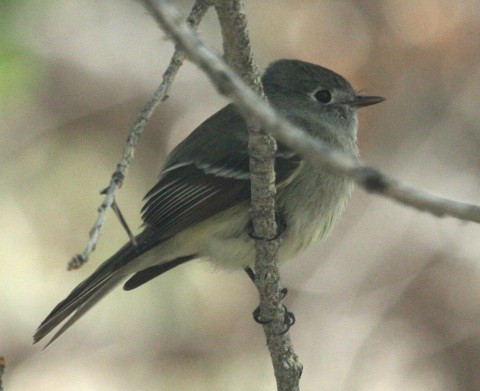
(88, 293)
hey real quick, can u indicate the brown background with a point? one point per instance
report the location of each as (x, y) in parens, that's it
(389, 302)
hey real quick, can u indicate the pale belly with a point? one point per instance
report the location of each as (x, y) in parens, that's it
(312, 222)
(309, 220)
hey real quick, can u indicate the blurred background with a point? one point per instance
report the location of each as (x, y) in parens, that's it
(389, 302)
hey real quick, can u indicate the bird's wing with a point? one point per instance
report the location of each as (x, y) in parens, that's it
(207, 174)
(191, 193)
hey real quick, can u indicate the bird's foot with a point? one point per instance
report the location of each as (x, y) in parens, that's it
(281, 227)
(288, 317)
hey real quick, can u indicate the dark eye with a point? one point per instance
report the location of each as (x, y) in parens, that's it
(323, 96)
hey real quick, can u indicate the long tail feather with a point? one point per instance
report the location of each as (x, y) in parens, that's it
(108, 275)
(88, 302)
(89, 292)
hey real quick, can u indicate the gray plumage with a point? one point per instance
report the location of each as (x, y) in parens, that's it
(200, 206)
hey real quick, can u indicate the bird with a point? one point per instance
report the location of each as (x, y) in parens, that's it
(199, 208)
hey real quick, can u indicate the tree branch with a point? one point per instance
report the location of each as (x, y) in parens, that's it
(2, 371)
(262, 147)
(161, 94)
(262, 115)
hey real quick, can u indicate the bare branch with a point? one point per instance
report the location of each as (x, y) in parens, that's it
(2, 371)
(122, 220)
(236, 42)
(262, 147)
(314, 150)
(161, 94)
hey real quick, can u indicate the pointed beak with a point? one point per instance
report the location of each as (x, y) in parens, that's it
(363, 101)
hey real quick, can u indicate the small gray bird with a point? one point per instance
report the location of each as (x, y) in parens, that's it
(199, 209)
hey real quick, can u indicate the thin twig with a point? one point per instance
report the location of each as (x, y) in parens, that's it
(2, 371)
(262, 147)
(124, 223)
(122, 220)
(161, 94)
(313, 150)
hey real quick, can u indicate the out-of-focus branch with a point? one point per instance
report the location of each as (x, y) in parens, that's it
(262, 115)
(262, 147)
(2, 371)
(161, 94)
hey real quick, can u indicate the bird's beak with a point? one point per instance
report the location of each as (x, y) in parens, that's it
(363, 101)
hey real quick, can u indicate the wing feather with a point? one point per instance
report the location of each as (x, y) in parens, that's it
(187, 194)
(196, 196)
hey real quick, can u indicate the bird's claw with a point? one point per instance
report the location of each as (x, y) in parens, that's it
(281, 227)
(288, 316)
(288, 319)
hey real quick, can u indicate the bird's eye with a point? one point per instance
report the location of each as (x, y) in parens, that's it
(323, 96)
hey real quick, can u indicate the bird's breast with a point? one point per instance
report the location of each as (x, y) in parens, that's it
(311, 204)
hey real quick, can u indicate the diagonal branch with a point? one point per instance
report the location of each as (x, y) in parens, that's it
(314, 150)
(161, 94)
(262, 147)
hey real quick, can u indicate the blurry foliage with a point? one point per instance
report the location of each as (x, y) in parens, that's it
(18, 76)
(388, 302)
(18, 69)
